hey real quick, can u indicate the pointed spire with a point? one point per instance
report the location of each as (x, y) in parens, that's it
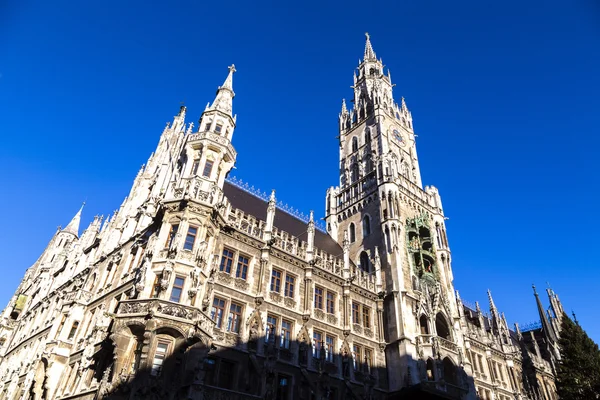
(225, 94)
(73, 226)
(369, 52)
(344, 108)
(549, 332)
(492, 305)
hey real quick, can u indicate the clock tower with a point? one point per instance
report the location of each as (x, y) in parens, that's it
(394, 228)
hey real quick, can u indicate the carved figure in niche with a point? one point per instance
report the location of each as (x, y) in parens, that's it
(414, 243)
(345, 362)
(427, 265)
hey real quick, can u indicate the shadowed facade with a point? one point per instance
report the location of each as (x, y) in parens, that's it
(198, 287)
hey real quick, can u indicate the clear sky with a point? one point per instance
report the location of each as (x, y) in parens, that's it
(505, 98)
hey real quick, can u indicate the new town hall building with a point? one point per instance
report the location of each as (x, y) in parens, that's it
(198, 288)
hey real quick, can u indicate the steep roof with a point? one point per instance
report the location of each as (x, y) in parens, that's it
(257, 207)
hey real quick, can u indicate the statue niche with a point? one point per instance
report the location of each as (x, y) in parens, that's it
(420, 246)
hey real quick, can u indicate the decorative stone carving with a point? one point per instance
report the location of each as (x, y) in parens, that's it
(289, 302)
(332, 319)
(276, 297)
(319, 313)
(357, 328)
(368, 332)
(241, 284)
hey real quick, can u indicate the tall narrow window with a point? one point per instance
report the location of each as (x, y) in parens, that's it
(286, 334)
(364, 261)
(207, 126)
(271, 328)
(317, 343)
(226, 261)
(366, 316)
(355, 313)
(366, 226)
(368, 359)
(318, 298)
(159, 357)
(329, 346)
(218, 309)
(73, 330)
(235, 318)
(283, 387)
(208, 166)
(242, 267)
(177, 289)
(290, 282)
(276, 281)
(352, 233)
(172, 234)
(356, 356)
(354, 144)
(155, 287)
(330, 302)
(190, 238)
(195, 166)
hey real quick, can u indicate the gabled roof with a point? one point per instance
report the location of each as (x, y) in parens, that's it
(257, 207)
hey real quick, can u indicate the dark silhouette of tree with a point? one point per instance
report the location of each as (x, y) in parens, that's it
(578, 375)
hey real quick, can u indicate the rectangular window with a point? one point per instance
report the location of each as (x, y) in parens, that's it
(171, 236)
(284, 384)
(208, 165)
(355, 313)
(155, 287)
(177, 289)
(318, 298)
(207, 126)
(317, 343)
(329, 346)
(330, 302)
(242, 267)
(218, 128)
(235, 318)
(159, 357)
(481, 369)
(286, 334)
(218, 309)
(73, 330)
(369, 358)
(226, 261)
(271, 329)
(356, 356)
(190, 238)
(226, 374)
(195, 166)
(289, 285)
(366, 316)
(276, 281)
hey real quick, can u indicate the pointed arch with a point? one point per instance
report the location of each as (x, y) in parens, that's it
(424, 324)
(366, 225)
(364, 262)
(450, 373)
(430, 367)
(352, 232)
(441, 326)
(354, 144)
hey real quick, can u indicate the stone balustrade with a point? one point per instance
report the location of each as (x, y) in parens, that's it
(168, 309)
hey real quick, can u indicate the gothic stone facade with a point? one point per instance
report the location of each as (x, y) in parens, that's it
(198, 288)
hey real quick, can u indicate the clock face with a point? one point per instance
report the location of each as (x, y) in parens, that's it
(398, 136)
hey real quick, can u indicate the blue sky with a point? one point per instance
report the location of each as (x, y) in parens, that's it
(504, 97)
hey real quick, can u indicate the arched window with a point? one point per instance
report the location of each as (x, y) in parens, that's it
(366, 226)
(354, 173)
(449, 371)
(364, 262)
(430, 369)
(367, 135)
(354, 144)
(441, 326)
(423, 324)
(352, 233)
(388, 239)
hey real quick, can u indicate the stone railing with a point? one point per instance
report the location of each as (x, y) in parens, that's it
(447, 344)
(81, 296)
(167, 309)
(213, 137)
(196, 188)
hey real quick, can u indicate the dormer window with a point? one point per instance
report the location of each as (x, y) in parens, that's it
(218, 128)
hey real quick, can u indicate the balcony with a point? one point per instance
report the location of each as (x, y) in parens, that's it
(166, 309)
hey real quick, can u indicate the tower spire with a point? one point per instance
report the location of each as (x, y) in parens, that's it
(73, 226)
(369, 52)
(225, 94)
(548, 331)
